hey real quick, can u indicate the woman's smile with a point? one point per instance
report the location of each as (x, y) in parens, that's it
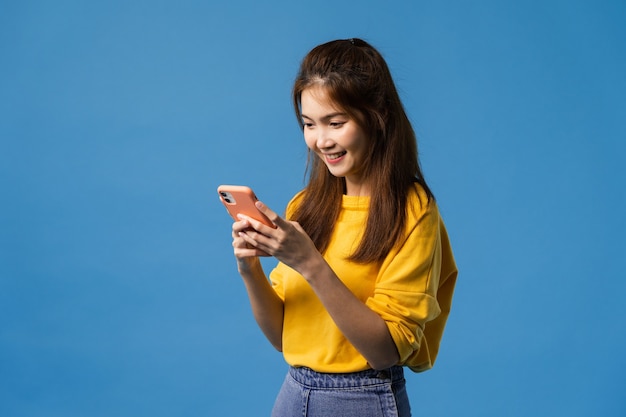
(334, 158)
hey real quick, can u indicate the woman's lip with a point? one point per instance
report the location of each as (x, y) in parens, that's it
(332, 159)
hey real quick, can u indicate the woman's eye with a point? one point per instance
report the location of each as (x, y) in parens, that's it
(337, 124)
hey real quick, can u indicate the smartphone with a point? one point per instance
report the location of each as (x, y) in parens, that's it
(239, 199)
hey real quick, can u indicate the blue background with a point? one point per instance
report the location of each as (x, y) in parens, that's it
(118, 120)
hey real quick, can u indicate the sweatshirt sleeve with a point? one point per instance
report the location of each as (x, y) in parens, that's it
(405, 295)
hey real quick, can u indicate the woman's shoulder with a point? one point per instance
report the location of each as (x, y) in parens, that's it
(420, 205)
(418, 195)
(293, 204)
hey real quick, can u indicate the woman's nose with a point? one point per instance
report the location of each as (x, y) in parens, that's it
(323, 139)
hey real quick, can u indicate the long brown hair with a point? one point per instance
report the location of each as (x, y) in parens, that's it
(358, 81)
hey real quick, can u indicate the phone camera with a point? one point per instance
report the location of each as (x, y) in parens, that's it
(227, 197)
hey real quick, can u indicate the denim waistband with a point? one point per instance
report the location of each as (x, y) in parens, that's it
(313, 379)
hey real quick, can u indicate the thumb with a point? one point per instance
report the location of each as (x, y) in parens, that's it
(270, 214)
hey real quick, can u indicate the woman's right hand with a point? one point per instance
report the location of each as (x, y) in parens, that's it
(247, 255)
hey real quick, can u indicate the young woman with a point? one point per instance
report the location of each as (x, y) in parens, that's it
(366, 274)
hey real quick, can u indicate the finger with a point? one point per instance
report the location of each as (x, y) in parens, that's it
(257, 225)
(250, 253)
(241, 225)
(246, 247)
(270, 214)
(254, 239)
(240, 243)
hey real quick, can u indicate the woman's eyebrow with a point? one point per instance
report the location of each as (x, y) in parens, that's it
(326, 117)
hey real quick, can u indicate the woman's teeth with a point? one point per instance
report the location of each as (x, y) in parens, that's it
(336, 155)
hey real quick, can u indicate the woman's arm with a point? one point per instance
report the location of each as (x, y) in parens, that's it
(364, 328)
(267, 307)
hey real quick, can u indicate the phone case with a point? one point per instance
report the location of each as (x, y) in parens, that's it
(239, 199)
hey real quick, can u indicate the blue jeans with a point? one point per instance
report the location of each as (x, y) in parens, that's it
(306, 393)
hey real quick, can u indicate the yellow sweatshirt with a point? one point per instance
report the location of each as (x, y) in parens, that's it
(411, 290)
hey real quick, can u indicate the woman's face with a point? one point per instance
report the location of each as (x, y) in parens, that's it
(335, 137)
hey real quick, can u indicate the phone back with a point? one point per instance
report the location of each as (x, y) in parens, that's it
(239, 199)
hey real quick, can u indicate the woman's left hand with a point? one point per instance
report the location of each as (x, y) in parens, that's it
(288, 242)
